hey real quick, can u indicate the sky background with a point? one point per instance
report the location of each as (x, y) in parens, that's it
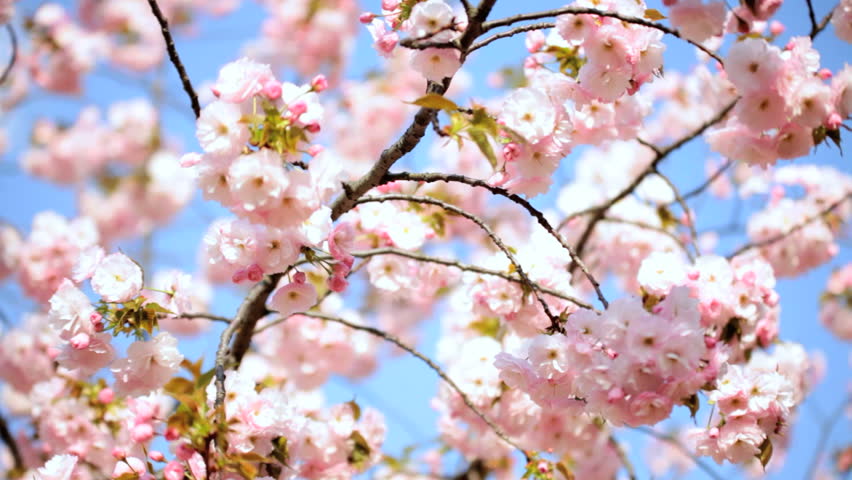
(403, 387)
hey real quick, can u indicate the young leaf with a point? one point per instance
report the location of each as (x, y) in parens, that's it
(437, 102)
(765, 453)
(481, 141)
(654, 15)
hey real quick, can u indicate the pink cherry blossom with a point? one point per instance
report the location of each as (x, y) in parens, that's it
(117, 278)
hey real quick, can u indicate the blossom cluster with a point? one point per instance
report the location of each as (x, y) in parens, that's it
(755, 403)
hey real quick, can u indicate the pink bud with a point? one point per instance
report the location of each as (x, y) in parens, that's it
(80, 341)
(156, 455)
(337, 284)
(297, 108)
(106, 396)
(366, 17)
(693, 275)
(313, 127)
(255, 273)
(299, 277)
(272, 90)
(142, 433)
(315, 150)
(171, 434)
(776, 28)
(184, 451)
(239, 276)
(511, 151)
(833, 122)
(215, 91)
(118, 453)
(97, 320)
(824, 73)
(669, 3)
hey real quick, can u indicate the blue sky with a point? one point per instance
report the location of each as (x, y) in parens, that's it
(403, 387)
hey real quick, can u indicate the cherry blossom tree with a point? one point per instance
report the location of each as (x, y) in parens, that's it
(545, 215)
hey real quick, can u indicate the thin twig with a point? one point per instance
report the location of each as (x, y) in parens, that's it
(485, 228)
(652, 228)
(538, 215)
(622, 456)
(508, 21)
(510, 33)
(688, 217)
(825, 433)
(710, 180)
(600, 211)
(793, 229)
(175, 59)
(13, 39)
(428, 361)
(204, 315)
(823, 23)
(12, 445)
(683, 449)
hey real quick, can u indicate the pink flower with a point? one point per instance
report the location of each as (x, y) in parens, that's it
(430, 17)
(95, 354)
(219, 129)
(293, 298)
(384, 39)
(133, 467)
(117, 278)
(698, 22)
(241, 80)
(436, 63)
(530, 112)
(70, 311)
(59, 467)
(173, 471)
(753, 65)
(148, 365)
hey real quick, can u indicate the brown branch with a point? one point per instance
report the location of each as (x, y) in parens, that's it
(554, 320)
(540, 218)
(194, 315)
(793, 229)
(429, 362)
(817, 28)
(175, 59)
(710, 180)
(508, 21)
(652, 228)
(12, 445)
(812, 17)
(510, 33)
(13, 39)
(690, 219)
(600, 211)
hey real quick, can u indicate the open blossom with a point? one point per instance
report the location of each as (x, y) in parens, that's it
(71, 311)
(436, 63)
(529, 112)
(219, 129)
(117, 278)
(59, 467)
(241, 80)
(148, 366)
(292, 298)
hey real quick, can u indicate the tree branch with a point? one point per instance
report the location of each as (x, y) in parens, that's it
(554, 320)
(812, 16)
(792, 230)
(13, 39)
(429, 362)
(175, 59)
(10, 442)
(508, 21)
(510, 33)
(600, 211)
(704, 186)
(540, 218)
(824, 23)
(690, 220)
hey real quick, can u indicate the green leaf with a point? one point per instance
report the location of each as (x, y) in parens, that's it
(693, 403)
(481, 141)
(204, 379)
(654, 15)
(280, 452)
(765, 453)
(179, 386)
(437, 102)
(356, 409)
(360, 450)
